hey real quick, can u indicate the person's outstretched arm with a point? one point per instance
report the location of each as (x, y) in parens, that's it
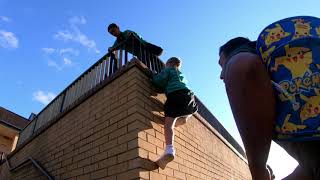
(253, 105)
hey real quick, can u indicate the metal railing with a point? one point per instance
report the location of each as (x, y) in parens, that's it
(104, 68)
(26, 162)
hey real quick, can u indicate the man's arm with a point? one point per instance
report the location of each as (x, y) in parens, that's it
(129, 33)
(113, 47)
(253, 105)
(126, 35)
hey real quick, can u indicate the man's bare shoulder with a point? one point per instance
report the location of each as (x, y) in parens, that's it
(245, 56)
(244, 62)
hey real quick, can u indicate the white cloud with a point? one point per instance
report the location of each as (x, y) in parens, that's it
(63, 53)
(67, 61)
(69, 50)
(63, 35)
(43, 97)
(75, 35)
(8, 39)
(77, 20)
(83, 39)
(48, 50)
(5, 19)
(54, 64)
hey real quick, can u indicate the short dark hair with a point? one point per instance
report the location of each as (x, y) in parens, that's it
(112, 25)
(233, 44)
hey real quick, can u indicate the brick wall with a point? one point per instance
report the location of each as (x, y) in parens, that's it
(117, 132)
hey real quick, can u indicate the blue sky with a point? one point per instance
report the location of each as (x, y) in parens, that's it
(45, 45)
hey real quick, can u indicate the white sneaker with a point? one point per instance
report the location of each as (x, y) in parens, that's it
(164, 160)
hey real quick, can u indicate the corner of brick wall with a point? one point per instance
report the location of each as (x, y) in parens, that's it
(98, 139)
(117, 133)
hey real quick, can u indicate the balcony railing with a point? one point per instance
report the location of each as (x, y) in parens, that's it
(108, 65)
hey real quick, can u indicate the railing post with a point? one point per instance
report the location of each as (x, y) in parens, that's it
(125, 57)
(141, 58)
(35, 124)
(133, 48)
(110, 65)
(62, 102)
(153, 63)
(146, 52)
(158, 64)
(108, 59)
(115, 63)
(120, 58)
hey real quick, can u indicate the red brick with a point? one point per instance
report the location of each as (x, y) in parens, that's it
(100, 156)
(147, 146)
(118, 168)
(99, 174)
(90, 168)
(167, 171)
(131, 174)
(155, 141)
(133, 144)
(117, 150)
(108, 145)
(157, 176)
(107, 162)
(84, 177)
(128, 137)
(160, 136)
(143, 153)
(118, 133)
(128, 155)
(84, 162)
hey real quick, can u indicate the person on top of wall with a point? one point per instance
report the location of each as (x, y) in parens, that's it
(130, 41)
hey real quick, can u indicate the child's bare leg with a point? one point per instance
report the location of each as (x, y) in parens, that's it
(169, 151)
(182, 120)
(168, 130)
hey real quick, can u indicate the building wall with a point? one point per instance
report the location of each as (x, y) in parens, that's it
(116, 134)
(8, 139)
(10, 126)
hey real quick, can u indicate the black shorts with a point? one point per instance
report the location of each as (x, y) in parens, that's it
(180, 103)
(306, 153)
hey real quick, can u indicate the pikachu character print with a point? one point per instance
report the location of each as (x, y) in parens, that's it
(266, 54)
(274, 34)
(292, 60)
(318, 31)
(297, 60)
(289, 127)
(302, 28)
(311, 108)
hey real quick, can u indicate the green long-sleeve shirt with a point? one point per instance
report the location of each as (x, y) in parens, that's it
(170, 79)
(124, 36)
